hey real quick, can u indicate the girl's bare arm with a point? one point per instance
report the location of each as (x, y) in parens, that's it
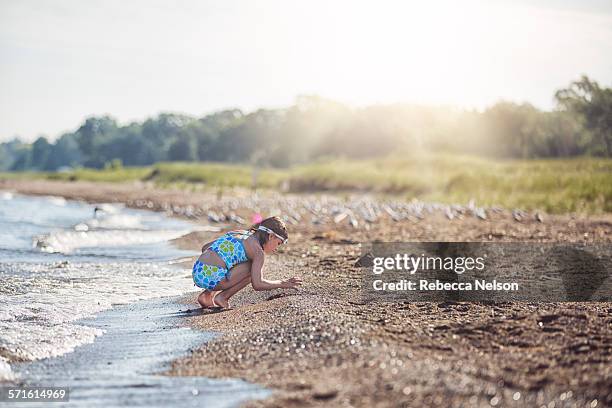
(257, 280)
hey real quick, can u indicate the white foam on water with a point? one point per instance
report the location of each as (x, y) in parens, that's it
(116, 221)
(6, 195)
(111, 226)
(67, 241)
(108, 254)
(6, 374)
(40, 302)
(59, 201)
(110, 208)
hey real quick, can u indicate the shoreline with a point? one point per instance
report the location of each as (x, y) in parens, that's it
(323, 345)
(124, 363)
(224, 208)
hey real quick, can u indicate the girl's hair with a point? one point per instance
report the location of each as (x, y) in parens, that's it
(275, 224)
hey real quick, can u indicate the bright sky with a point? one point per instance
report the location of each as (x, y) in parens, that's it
(64, 60)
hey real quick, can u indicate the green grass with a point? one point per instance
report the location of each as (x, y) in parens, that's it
(108, 175)
(215, 174)
(556, 186)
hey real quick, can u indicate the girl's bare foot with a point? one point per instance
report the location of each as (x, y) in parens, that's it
(219, 299)
(206, 299)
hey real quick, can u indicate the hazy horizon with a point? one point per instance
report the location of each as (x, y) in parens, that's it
(63, 61)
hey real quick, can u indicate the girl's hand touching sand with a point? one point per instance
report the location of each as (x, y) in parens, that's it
(291, 283)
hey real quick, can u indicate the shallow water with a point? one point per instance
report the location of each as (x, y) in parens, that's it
(84, 303)
(61, 261)
(119, 368)
(45, 229)
(39, 303)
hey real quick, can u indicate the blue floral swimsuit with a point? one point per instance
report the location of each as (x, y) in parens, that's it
(231, 250)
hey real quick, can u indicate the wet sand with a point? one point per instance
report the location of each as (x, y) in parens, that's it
(322, 345)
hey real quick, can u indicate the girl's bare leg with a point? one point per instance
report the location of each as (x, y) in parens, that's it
(222, 298)
(240, 276)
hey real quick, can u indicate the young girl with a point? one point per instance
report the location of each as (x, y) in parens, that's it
(236, 259)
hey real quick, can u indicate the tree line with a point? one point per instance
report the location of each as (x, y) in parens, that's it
(314, 128)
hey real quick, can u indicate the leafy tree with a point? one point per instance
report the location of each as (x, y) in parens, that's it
(93, 134)
(182, 149)
(594, 104)
(41, 150)
(512, 129)
(9, 151)
(315, 127)
(64, 153)
(22, 157)
(5, 158)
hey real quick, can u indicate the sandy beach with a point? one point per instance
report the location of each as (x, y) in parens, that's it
(323, 345)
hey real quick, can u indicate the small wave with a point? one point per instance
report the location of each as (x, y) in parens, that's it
(41, 300)
(6, 374)
(40, 303)
(7, 195)
(38, 340)
(109, 208)
(59, 201)
(117, 221)
(67, 241)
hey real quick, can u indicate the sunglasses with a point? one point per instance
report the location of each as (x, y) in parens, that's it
(265, 229)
